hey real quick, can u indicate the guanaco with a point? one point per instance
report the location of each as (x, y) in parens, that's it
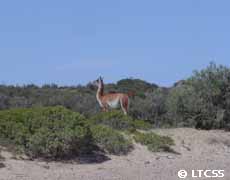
(111, 100)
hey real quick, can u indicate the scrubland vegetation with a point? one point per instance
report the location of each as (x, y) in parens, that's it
(57, 133)
(63, 122)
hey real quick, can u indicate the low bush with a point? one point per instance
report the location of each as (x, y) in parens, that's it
(117, 120)
(57, 133)
(110, 140)
(51, 132)
(141, 124)
(154, 142)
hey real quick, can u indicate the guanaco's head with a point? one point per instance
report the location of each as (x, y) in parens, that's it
(98, 82)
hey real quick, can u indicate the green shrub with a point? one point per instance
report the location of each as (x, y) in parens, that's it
(151, 108)
(117, 120)
(110, 140)
(183, 106)
(212, 86)
(51, 132)
(113, 119)
(141, 124)
(153, 141)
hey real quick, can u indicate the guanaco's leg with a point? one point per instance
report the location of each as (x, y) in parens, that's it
(124, 104)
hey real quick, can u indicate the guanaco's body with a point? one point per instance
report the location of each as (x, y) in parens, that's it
(111, 100)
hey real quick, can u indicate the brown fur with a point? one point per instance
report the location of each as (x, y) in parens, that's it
(111, 99)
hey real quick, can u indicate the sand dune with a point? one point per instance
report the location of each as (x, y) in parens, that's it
(198, 150)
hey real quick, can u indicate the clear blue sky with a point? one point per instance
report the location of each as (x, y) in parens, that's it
(74, 41)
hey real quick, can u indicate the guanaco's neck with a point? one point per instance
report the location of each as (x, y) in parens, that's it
(100, 92)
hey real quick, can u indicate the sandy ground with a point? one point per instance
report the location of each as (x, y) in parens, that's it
(198, 150)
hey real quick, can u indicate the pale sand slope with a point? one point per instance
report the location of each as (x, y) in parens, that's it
(199, 150)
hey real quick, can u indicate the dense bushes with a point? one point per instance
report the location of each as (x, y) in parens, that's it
(56, 132)
(111, 140)
(117, 120)
(183, 106)
(79, 99)
(152, 108)
(46, 132)
(153, 141)
(212, 86)
(201, 101)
